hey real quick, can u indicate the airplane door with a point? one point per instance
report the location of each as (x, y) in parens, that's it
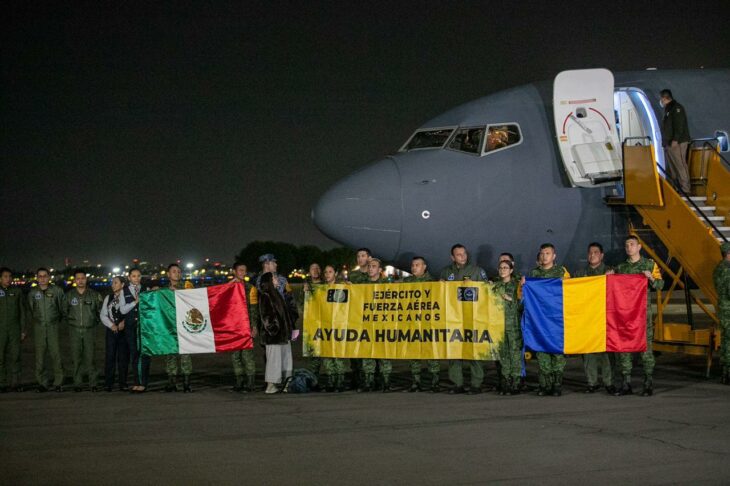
(586, 128)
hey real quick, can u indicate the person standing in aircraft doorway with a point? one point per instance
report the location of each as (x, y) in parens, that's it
(675, 137)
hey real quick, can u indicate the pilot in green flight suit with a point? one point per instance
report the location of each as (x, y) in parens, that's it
(83, 306)
(462, 270)
(47, 304)
(13, 317)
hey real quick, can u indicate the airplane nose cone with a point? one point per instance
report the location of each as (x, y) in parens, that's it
(364, 210)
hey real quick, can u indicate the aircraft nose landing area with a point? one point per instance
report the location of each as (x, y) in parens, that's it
(364, 209)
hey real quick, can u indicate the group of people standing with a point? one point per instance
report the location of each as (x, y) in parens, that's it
(273, 314)
(510, 365)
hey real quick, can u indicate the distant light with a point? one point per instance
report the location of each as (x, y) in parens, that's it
(189, 265)
(651, 69)
(116, 269)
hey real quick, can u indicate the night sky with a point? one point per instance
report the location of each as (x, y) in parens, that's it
(172, 130)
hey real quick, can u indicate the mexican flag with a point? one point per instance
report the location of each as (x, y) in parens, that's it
(206, 320)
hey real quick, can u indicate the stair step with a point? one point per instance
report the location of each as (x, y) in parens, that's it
(716, 218)
(704, 209)
(723, 229)
(696, 198)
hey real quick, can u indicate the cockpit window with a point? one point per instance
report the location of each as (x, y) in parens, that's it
(468, 140)
(502, 136)
(428, 139)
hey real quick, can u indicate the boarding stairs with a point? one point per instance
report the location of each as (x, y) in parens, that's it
(691, 227)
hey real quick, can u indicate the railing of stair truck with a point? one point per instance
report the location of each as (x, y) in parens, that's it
(706, 142)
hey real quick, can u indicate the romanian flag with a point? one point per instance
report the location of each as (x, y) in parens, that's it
(599, 314)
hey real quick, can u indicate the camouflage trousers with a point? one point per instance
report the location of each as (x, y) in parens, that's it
(592, 362)
(510, 354)
(186, 365)
(244, 362)
(625, 360)
(724, 315)
(551, 367)
(433, 365)
(329, 366)
(369, 366)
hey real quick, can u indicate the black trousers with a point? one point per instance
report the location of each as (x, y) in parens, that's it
(116, 358)
(130, 332)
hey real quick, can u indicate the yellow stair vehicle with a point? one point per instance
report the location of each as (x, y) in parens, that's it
(691, 227)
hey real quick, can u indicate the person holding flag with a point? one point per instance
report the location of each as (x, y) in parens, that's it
(637, 264)
(174, 273)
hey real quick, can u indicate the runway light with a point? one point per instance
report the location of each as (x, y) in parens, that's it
(116, 269)
(189, 265)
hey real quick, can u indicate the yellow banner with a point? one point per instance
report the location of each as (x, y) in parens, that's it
(429, 320)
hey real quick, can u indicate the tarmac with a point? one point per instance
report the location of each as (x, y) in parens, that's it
(214, 436)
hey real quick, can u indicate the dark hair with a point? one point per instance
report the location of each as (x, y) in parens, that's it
(547, 245)
(5, 269)
(238, 264)
(633, 237)
(133, 269)
(42, 269)
(666, 93)
(456, 247)
(366, 250)
(419, 258)
(596, 245)
(173, 265)
(508, 254)
(122, 280)
(77, 271)
(509, 264)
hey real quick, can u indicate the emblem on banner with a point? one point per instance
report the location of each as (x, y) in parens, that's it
(194, 322)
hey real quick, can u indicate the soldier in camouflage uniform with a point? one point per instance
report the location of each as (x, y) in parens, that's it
(244, 361)
(369, 365)
(313, 280)
(419, 270)
(510, 349)
(551, 365)
(462, 270)
(13, 315)
(593, 361)
(47, 304)
(357, 277)
(636, 264)
(721, 277)
(334, 368)
(174, 273)
(82, 316)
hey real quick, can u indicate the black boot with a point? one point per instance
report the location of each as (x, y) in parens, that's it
(367, 384)
(386, 384)
(435, 387)
(625, 387)
(546, 385)
(330, 387)
(250, 384)
(725, 377)
(186, 384)
(557, 384)
(171, 385)
(238, 387)
(515, 386)
(340, 383)
(503, 388)
(648, 387)
(415, 385)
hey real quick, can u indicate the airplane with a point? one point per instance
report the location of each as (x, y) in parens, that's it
(520, 167)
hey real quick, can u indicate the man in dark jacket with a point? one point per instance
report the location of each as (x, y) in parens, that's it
(675, 137)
